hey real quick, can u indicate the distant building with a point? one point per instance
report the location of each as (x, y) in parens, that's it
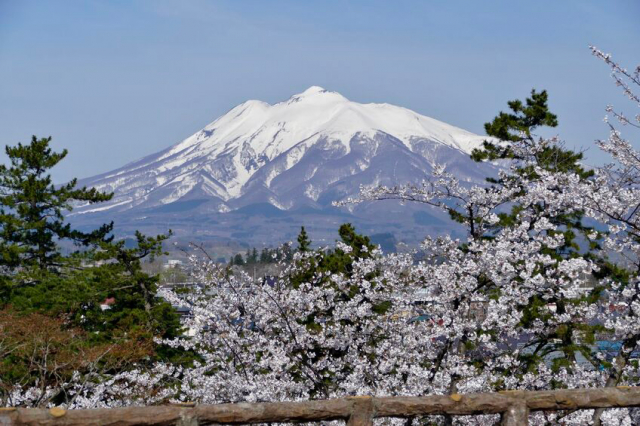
(172, 263)
(107, 303)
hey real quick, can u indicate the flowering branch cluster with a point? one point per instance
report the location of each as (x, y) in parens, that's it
(548, 274)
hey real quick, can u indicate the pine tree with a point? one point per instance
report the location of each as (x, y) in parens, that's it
(515, 130)
(31, 208)
(265, 256)
(253, 257)
(361, 244)
(37, 277)
(238, 260)
(134, 291)
(304, 243)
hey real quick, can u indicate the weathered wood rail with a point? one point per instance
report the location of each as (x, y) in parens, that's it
(514, 406)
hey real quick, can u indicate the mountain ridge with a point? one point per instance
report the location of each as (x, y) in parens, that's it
(238, 144)
(303, 153)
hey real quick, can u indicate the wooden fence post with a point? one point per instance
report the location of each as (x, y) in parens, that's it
(187, 421)
(362, 411)
(516, 415)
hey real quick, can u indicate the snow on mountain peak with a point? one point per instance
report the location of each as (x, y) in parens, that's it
(317, 95)
(273, 129)
(259, 141)
(313, 90)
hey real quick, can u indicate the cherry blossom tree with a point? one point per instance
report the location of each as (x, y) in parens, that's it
(613, 198)
(550, 262)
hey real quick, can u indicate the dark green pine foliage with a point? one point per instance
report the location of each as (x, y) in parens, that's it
(238, 260)
(304, 243)
(522, 120)
(265, 256)
(340, 262)
(253, 256)
(518, 127)
(314, 271)
(121, 277)
(37, 277)
(31, 208)
(113, 273)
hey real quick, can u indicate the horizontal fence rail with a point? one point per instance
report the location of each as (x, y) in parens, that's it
(514, 406)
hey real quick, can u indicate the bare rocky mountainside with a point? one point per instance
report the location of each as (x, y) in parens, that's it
(259, 172)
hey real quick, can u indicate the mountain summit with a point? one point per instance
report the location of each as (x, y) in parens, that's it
(305, 152)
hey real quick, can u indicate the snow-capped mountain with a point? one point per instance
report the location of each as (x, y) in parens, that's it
(302, 153)
(289, 154)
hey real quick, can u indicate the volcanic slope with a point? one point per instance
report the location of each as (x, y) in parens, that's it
(290, 159)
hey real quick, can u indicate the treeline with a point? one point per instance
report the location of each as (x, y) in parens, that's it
(265, 256)
(272, 255)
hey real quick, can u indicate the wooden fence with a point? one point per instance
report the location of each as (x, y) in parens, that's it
(514, 406)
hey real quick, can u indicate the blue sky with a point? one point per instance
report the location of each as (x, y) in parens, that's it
(113, 81)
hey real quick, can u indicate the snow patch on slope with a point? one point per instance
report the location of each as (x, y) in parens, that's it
(224, 156)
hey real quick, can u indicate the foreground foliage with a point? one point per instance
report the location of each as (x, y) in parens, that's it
(74, 305)
(547, 275)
